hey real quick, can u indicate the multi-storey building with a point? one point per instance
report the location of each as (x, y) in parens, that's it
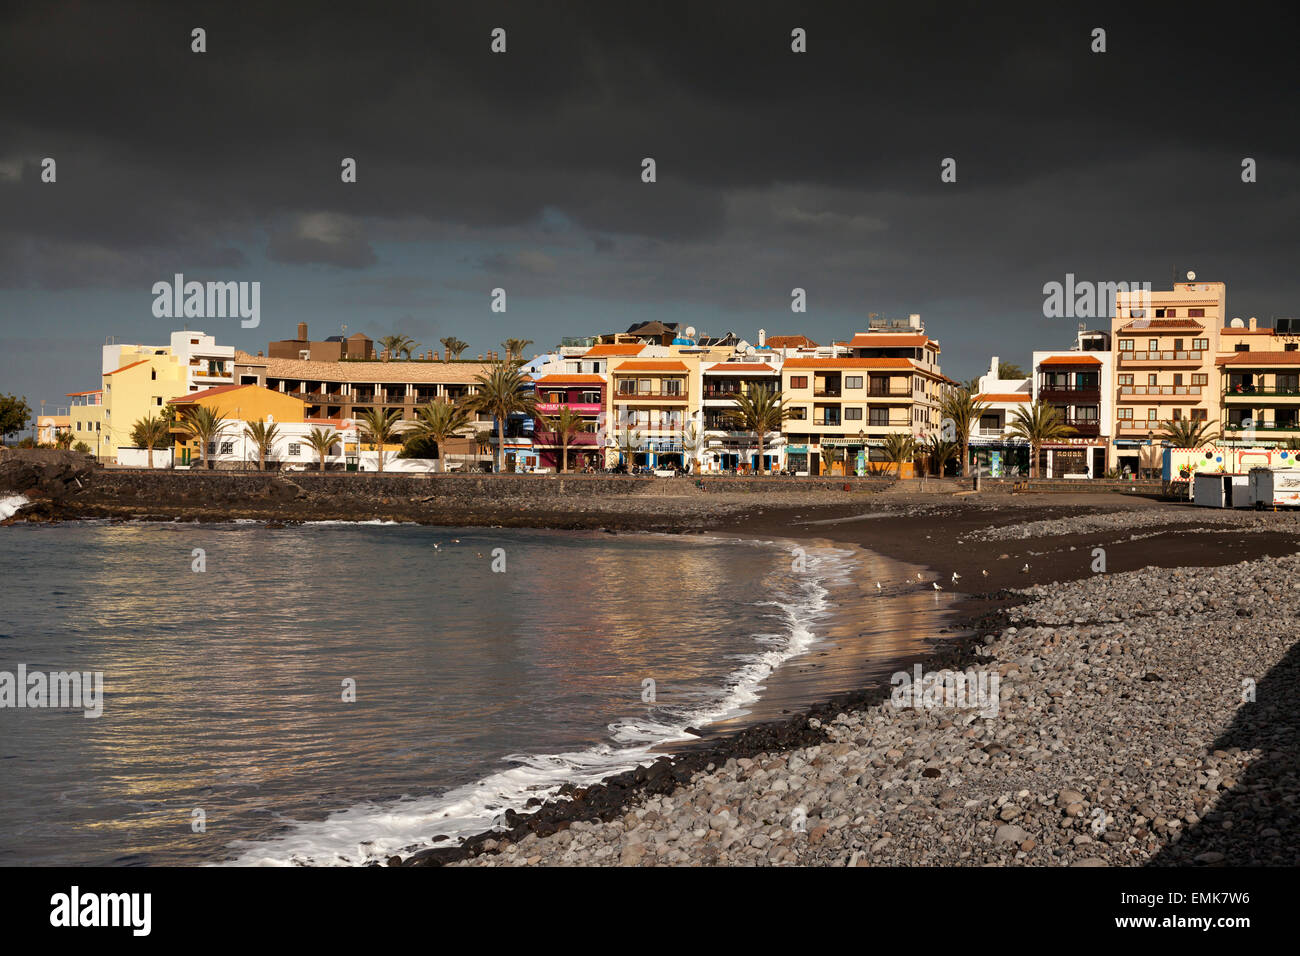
(1078, 383)
(1165, 344)
(583, 393)
(725, 447)
(994, 449)
(1259, 383)
(330, 349)
(87, 414)
(650, 402)
(235, 405)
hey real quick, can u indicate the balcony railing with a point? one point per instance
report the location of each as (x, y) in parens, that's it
(1263, 427)
(1070, 394)
(1188, 390)
(661, 393)
(1246, 391)
(889, 393)
(826, 393)
(1165, 355)
(827, 422)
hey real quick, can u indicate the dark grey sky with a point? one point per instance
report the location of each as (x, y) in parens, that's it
(522, 170)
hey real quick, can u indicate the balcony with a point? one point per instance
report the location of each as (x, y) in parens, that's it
(889, 393)
(1249, 392)
(1159, 392)
(1163, 357)
(1263, 427)
(1069, 395)
(1084, 427)
(826, 393)
(580, 408)
(630, 396)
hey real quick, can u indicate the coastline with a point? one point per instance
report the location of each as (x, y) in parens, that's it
(934, 531)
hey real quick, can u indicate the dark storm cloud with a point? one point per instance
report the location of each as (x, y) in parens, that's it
(774, 170)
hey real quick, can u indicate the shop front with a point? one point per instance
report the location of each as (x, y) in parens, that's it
(1081, 458)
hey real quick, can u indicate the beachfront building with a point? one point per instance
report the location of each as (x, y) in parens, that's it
(87, 417)
(332, 348)
(649, 403)
(1078, 383)
(346, 389)
(724, 446)
(1259, 383)
(583, 393)
(236, 405)
(49, 427)
(994, 449)
(1165, 344)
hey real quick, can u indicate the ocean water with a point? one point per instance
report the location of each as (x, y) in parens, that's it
(226, 737)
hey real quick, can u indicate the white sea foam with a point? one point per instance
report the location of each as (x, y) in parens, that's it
(9, 505)
(373, 832)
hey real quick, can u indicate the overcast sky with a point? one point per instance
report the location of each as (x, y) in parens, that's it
(522, 170)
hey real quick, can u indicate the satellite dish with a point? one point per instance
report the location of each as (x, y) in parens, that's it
(1191, 276)
(1237, 324)
(690, 331)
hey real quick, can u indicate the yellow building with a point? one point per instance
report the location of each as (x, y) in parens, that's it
(140, 388)
(1165, 344)
(1259, 383)
(87, 415)
(49, 427)
(651, 401)
(243, 403)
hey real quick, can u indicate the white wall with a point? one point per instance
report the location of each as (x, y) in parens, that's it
(139, 457)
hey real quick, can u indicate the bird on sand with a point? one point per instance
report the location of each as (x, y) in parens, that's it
(955, 577)
(879, 586)
(1025, 569)
(936, 585)
(985, 573)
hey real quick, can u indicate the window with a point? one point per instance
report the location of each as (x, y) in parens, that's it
(798, 381)
(1151, 414)
(643, 386)
(1243, 347)
(1178, 378)
(1126, 379)
(853, 414)
(1196, 313)
(1160, 313)
(1151, 379)
(880, 416)
(799, 414)
(1201, 345)
(1137, 313)
(1126, 345)
(1200, 379)
(853, 381)
(1290, 347)
(153, 374)
(1125, 414)
(672, 386)
(1199, 414)
(1178, 414)
(157, 400)
(227, 448)
(1153, 345)
(591, 398)
(295, 449)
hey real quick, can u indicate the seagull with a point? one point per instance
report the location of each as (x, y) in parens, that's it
(879, 586)
(1025, 569)
(936, 586)
(985, 573)
(955, 577)
(918, 575)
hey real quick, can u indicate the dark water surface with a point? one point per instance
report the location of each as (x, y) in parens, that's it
(223, 690)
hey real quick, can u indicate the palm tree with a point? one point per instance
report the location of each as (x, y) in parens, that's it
(150, 432)
(899, 447)
(379, 426)
(960, 407)
(1037, 424)
(501, 393)
(562, 426)
(438, 421)
(1186, 433)
(63, 439)
(515, 347)
(692, 441)
(483, 440)
(939, 452)
(454, 347)
(629, 444)
(829, 457)
(204, 425)
(262, 435)
(396, 345)
(321, 441)
(760, 411)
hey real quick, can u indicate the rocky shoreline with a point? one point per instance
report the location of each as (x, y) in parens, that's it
(1121, 738)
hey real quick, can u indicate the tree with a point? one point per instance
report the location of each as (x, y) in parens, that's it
(63, 439)
(438, 421)
(515, 347)
(321, 441)
(939, 452)
(760, 411)
(204, 425)
(899, 447)
(262, 435)
(398, 345)
(82, 447)
(1037, 424)
(379, 426)
(502, 392)
(692, 442)
(454, 347)
(830, 456)
(1186, 433)
(151, 432)
(628, 446)
(562, 426)
(960, 407)
(14, 415)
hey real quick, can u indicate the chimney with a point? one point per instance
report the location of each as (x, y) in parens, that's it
(435, 355)
(914, 320)
(1253, 322)
(384, 356)
(762, 337)
(302, 331)
(993, 367)
(259, 353)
